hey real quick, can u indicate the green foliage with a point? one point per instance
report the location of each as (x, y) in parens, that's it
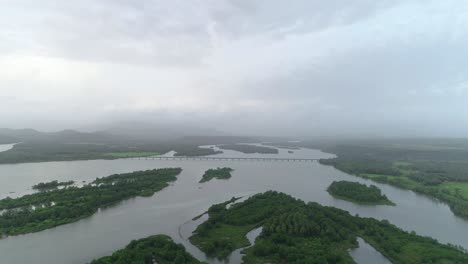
(218, 173)
(154, 249)
(132, 154)
(296, 232)
(432, 169)
(56, 151)
(357, 192)
(44, 186)
(43, 210)
(249, 149)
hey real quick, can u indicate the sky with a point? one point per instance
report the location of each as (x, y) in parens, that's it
(263, 67)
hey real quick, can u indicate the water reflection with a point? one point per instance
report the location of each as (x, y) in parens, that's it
(366, 254)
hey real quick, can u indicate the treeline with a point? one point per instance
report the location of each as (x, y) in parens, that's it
(43, 210)
(53, 151)
(421, 168)
(154, 249)
(218, 173)
(357, 192)
(299, 232)
(43, 186)
(249, 149)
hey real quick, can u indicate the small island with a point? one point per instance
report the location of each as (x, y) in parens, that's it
(218, 173)
(44, 186)
(43, 210)
(358, 193)
(153, 249)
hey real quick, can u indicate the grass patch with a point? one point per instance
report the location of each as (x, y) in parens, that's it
(460, 188)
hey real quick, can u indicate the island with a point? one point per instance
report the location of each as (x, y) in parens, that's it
(249, 149)
(43, 210)
(436, 168)
(358, 193)
(44, 186)
(298, 232)
(154, 249)
(218, 173)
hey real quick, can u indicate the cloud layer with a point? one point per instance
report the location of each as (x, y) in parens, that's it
(257, 67)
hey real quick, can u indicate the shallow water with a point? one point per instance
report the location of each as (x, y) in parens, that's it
(5, 147)
(169, 209)
(366, 254)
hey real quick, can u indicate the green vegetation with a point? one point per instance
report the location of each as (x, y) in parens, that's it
(43, 210)
(358, 193)
(154, 249)
(249, 149)
(437, 169)
(132, 154)
(299, 232)
(44, 186)
(218, 173)
(52, 151)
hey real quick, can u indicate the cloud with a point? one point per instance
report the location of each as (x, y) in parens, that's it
(302, 67)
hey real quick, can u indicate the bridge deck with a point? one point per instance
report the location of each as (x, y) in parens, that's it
(224, 158)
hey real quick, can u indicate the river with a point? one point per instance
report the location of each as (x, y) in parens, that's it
(168, 210)
(5, 147)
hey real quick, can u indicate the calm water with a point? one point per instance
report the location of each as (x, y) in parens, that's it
(5, 147)
(168, 210)
(366, 254)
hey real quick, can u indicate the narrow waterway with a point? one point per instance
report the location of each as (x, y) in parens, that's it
(5, 147)
(366, 254)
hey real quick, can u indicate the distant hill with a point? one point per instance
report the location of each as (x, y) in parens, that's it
(66, 136)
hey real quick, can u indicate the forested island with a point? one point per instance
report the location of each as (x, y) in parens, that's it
(218, 173)
(43, 210)
(358, 193)
(299, 232)
(436, 168)
(56, 151)
(249, 149)
(68, 145)
(44, 186)
(154, 249)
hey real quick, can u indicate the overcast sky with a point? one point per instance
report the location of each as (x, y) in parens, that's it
(270, 67)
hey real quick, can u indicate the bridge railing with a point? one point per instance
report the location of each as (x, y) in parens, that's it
(223, 158)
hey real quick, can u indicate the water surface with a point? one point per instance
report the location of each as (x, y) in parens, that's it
(169, 209)
(5, 147)
(366, 254)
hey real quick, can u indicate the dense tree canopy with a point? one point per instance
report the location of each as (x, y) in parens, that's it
(154, 249)
(298, 232)
(357, 192)
(218, 173)
(43, 210)
(437, 169)
(43, 186)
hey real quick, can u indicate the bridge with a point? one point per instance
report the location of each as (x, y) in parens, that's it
(224, 158)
